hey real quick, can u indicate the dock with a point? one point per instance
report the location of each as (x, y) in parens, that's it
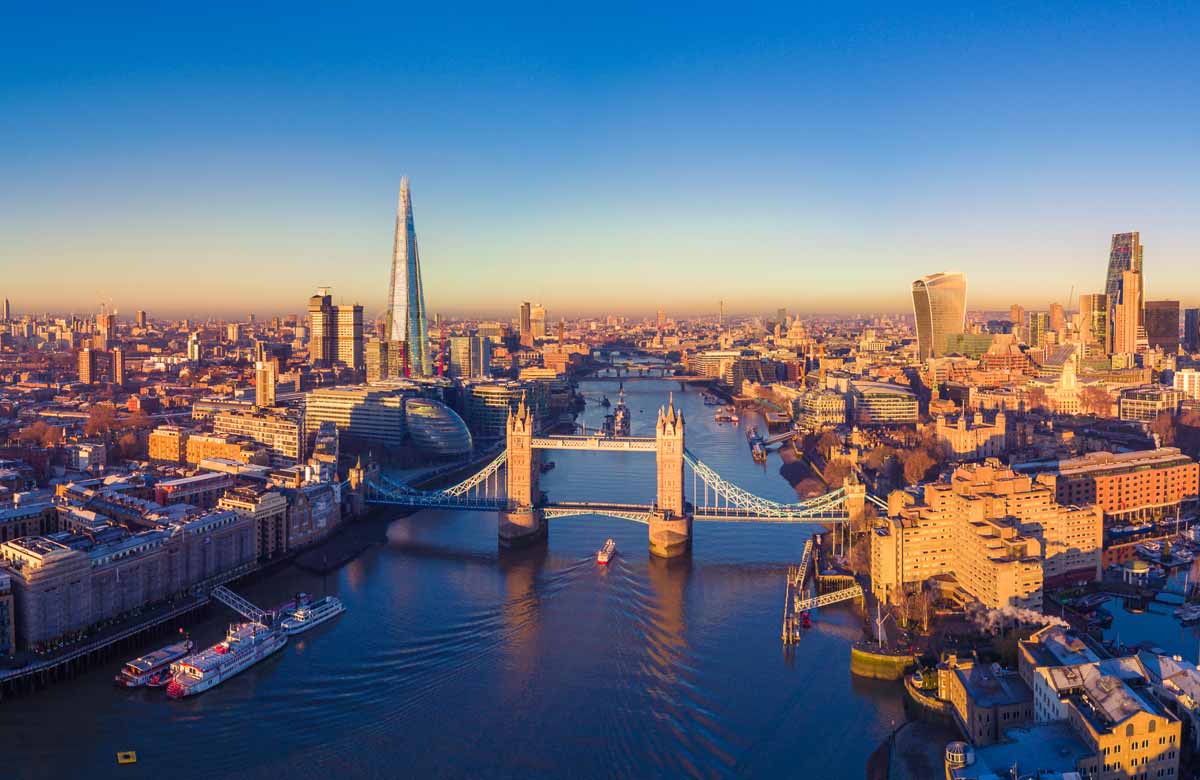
(831, 588)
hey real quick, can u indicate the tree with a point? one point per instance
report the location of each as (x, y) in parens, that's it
(129, 446)
(40, 433)
(809, 487)
(877, 457)
(1036, 398)
(828, 441)
(100, 420)
(835, 472)
(917, 464)
(1094, 399)
(860, 555)
(1164, 426)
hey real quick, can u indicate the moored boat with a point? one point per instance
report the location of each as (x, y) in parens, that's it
(606, 552)
(312, 615)
(245, 644)
(152, 669)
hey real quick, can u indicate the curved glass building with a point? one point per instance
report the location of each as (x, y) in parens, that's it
(940, 305)
(435, 428)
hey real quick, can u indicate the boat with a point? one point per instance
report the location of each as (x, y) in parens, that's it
(621, 418)
(152, 669)
(606, 552)
(312, 615)
(712, 400)
(805, 619)
(605, 402)
(1150, 550)
(245, 644)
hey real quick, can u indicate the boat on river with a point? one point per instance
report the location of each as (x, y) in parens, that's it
(606, 552)
(245, 644)
(312, 615)
(152, 669)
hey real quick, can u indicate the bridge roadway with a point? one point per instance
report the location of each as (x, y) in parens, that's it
(584, 442)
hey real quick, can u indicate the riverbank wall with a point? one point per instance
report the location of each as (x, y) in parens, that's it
(879, 665)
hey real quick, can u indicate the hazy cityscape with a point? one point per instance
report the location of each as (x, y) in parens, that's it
(611, 468)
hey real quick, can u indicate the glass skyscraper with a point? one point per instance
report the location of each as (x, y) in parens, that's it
(406, 320)
(1124, 255)
(940, 305)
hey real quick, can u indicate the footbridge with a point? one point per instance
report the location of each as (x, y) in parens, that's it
(509, 486)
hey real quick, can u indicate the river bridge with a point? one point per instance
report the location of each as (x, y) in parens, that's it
(508, 485)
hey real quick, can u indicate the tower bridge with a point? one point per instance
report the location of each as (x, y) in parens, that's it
(508, 485)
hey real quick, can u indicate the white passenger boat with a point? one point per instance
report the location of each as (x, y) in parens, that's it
(152, 668)
(606, 552)
(245, 644)
(312, 615)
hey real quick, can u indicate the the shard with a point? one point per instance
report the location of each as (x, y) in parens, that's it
(406, 299)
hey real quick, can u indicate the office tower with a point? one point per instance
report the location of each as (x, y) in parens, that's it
(1016, 314)
(1093, 322)
(233, 333)
(537, 322)
(781, 316)
(470, 356)
(525, 324)
(1039, 324)
(141, 318)
(193, 348)
(375, 356)
(7, 311)
(118, 363)
(88, 369)
(349, 335)
(1058, 318)
(1162, 325)
(662, 319)
(940, 306)
(562, 332)
(265, 376)
(721, 314)
(322, 328)
(406, 297)
(1126, 313)
(1191, 330)
(1124, 255)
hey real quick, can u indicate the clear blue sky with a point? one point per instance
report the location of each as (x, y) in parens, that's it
(229, 159)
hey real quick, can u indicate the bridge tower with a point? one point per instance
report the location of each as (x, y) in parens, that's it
(671, 520)
(522, 521)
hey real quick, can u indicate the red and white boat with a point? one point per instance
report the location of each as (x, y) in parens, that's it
(245, 644)
(152, 669)
(606, 552)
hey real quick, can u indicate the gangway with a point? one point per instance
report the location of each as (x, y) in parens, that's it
(240, 605)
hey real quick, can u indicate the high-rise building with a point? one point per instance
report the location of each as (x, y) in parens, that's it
(537, 322)
(1124, 255)
(1191, 330)
(940, 305)
(406, 297)
(1058, 318)
(118, 363)
(193, 348)
(349, 335)
(88, 368)
(141, 318)
(662, 319)
(1039, 325)
(375, 356)
(525, 324)
(322, 328)
(1126, 313)
(1162, 325)
(264, 382)
(1093, 322)
(233, 332)
(7, 311)
(470, 356)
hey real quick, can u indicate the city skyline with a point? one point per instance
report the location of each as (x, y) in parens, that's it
(847, 154)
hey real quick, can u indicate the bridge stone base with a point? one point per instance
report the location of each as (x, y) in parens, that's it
(522, 528)
(670, 534)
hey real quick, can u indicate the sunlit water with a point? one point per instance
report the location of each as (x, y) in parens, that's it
(456, 660)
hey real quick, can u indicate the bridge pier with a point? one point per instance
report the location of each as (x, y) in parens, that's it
(522, 523)
(670, 535)
(671, 521)
(522, 527)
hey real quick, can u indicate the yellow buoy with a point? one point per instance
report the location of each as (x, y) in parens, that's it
(127, 757)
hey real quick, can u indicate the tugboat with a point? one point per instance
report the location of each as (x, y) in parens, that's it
(606, 552)
(152, 669)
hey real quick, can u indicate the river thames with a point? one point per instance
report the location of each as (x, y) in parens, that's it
(455, 660)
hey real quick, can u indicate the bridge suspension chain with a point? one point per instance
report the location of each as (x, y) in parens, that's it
(730, 497)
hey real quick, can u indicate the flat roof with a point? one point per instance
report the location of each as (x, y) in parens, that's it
(1050, 747)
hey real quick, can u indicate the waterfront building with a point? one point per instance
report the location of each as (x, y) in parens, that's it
(280, 430)
(1191, 330)
(882, 403)
(1162, 325)
(815, 409)
(64, 582)
(264, 383)
(1145, 403)
(267, 509)
(487, 405)
(389, 416)
(1127, 486)
(940, 305)
(314, 512)
(984, 700)
(1125, 255)
(1093, 323)
(406, 319)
